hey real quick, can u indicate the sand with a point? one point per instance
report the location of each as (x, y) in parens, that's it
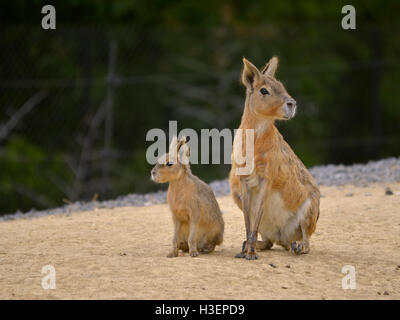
(121, 254)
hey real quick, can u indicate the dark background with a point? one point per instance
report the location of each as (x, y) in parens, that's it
(76, 102)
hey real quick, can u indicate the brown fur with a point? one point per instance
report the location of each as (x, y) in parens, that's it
(280, 198)
(198, 223)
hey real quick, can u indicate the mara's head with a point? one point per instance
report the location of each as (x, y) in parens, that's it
(174, 164)
(266, 96)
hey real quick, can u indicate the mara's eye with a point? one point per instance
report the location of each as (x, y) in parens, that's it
(169, 164)
(264, 91)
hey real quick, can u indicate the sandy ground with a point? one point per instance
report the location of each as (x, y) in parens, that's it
(121, 254)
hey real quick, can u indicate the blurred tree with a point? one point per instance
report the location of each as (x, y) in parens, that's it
(181, 60)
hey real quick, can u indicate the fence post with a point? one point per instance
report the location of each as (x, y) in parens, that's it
(111, 82)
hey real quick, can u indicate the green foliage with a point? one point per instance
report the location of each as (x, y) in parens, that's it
(28, 176)
(181, 60)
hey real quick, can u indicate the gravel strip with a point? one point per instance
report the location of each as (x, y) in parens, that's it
(386, 170)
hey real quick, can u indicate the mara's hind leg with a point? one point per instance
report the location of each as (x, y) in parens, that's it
(285, 245)
(303, 246)
(260, 245)
(264, 244)
(208, 247)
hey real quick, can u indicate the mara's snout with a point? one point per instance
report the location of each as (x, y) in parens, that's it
(153, 175)
(289, 108)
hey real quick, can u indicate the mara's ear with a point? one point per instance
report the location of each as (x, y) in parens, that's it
(181, 142)
(270, 67)
(173, 143)
(250, 74)
(183, 151)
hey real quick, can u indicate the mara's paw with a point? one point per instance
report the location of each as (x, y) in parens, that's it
(240, 255)
(172, 254)
(193, 253)
(251, 256)
(298, 247)
(207, 249)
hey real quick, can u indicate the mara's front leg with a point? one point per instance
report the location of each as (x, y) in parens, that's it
(192, 239)
(245, 197)
(256, 213)
(175, 241)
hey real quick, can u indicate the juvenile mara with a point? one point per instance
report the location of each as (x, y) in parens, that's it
(279, 197)
(197, 218)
